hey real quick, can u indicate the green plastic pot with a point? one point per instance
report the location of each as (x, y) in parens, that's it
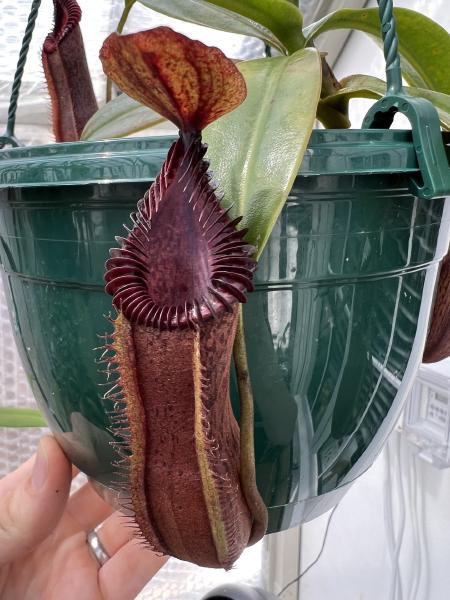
(335, 328)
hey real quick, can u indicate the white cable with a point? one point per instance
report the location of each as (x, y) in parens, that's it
(402, 513)
(316, 560)
(419, 507)
(395, 541)
(387, 488)
(416, 543)
(422, 519)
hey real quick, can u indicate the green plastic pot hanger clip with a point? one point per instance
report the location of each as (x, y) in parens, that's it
(434, 177)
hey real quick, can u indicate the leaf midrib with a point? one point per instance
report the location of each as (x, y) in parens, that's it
(258, 133)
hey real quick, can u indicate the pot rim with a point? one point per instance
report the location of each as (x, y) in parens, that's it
(329, 152)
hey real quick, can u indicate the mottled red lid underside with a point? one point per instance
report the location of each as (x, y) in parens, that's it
(187, 82)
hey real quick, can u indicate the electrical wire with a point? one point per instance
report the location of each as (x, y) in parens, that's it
(396, 581)
(415, 494)
(423, 533)
(387, 506)
(316, 560)
(411, 480)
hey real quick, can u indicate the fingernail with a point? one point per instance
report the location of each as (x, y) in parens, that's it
(40, 468)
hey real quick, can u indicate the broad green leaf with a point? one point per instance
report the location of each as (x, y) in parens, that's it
(21, 417)
(365, 86)
(256, 150)
(277, 22)
(424, 45)
(120, 117)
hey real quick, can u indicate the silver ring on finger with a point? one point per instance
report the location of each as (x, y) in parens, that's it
(97, 548)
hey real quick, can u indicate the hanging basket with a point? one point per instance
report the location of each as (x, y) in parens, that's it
(335, 327)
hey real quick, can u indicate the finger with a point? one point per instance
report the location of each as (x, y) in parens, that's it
(115, 532)
(32, 500)
(12, 480)
(114, 577)
(86, 506)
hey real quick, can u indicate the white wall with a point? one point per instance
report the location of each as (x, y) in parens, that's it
(390, 536)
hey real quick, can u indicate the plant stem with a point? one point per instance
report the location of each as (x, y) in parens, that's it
(126, 11)
(330, 84)
(123, 19)
(330, 117)
(247, 442)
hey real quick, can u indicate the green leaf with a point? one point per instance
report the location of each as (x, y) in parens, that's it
(120, 117)
(21, 417)
(423, 44)
(277, 22)
(365, 86)
(256, 150)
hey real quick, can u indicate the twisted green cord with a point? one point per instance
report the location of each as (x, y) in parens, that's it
(390, 46)
(9, 137)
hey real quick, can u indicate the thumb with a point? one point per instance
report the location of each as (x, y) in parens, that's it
(32, 500)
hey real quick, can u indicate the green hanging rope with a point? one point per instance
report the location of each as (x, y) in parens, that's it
(8, 137)
(434, 177)
(390, 46)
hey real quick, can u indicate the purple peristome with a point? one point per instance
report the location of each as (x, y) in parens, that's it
(183, 261)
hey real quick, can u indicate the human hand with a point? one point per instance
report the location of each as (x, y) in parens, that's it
(43, 550)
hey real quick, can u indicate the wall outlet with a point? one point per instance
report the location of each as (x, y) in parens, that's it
(427, 414)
